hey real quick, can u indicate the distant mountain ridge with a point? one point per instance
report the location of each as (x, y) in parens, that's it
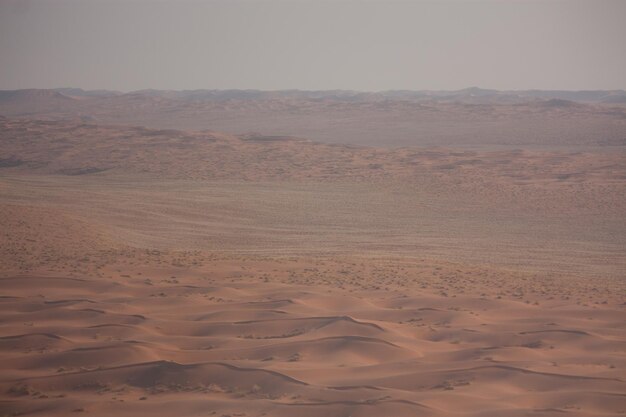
(471, 117)
(472, 94)
(79, 92)
(31, 94)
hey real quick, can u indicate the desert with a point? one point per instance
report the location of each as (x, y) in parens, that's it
(212, 273)
(336, 208)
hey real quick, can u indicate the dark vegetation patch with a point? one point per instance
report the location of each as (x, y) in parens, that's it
(559, 103)
(260, 138)
(81, 171)
(10, 162)
(161, 132)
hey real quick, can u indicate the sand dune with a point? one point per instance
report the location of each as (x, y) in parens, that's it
(151, 272)
(221, 342)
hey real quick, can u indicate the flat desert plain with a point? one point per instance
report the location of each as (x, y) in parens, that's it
(151, 272)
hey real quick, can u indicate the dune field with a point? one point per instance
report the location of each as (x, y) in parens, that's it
(163, 270)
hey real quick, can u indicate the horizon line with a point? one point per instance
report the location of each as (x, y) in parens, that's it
(475, 88)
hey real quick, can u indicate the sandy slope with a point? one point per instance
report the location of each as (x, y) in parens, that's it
(103, 328)
(208, 274)
(310, 336)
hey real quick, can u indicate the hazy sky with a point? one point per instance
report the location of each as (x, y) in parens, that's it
(362, 45)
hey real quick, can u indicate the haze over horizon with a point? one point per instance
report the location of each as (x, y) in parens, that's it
(305, 45)
(66, 89)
